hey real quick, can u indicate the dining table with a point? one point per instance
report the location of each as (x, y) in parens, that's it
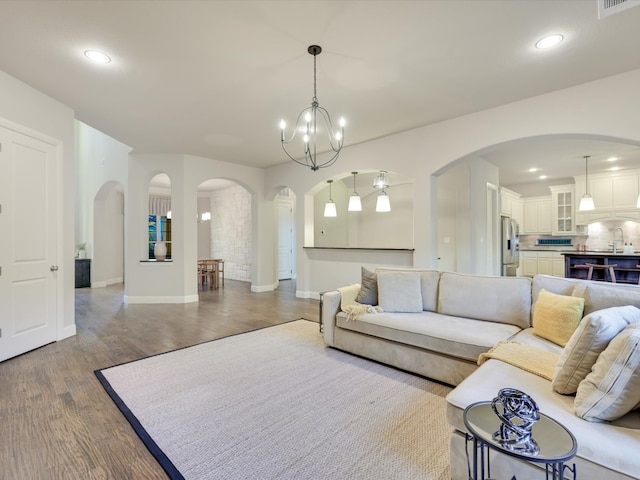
(209, 270)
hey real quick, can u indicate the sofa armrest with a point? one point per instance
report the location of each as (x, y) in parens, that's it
(330, 308)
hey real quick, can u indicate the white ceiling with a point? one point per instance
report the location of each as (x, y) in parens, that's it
(213, 78)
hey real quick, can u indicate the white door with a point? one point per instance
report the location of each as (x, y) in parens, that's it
(285, 239)
(28, 243)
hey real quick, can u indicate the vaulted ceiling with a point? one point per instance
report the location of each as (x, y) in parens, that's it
(213, 78)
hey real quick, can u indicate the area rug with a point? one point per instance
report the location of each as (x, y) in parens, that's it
(276, 403)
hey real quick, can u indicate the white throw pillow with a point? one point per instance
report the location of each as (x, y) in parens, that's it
(612, 389)
(592, 336)
(399, 291)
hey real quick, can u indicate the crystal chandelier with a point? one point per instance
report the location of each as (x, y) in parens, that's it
(313, 123)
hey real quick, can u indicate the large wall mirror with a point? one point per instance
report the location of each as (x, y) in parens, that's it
(384, 221)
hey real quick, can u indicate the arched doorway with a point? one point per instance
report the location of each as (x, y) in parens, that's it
(107, 257)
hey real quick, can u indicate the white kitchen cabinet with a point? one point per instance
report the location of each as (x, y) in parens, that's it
(511, 204)
(537, 215)
(625, 191)
(614, 196)
(529, 261)
(558, 265)
(601, 189)
(543, 263)
(563, 210)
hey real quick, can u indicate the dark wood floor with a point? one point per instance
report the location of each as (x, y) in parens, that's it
(56, 421)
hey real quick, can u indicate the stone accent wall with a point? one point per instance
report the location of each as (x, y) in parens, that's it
(231, 231)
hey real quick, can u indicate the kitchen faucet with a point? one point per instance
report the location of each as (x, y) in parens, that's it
(615, 246)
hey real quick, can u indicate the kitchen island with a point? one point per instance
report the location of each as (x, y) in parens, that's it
(625, 266)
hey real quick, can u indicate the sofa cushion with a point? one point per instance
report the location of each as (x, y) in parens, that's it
(558, 285)
(399, 291)
(592, 336)
(556, 317)
(429, 280)
(495, 299)
(453, 336)
(612, 389)
(601, 295)
(368, 294)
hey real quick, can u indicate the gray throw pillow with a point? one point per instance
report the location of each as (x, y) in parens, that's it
(592, 336)
(368, 294)
(400, 291)
(613, 387)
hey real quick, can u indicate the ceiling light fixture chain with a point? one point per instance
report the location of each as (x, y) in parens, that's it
(307, 124)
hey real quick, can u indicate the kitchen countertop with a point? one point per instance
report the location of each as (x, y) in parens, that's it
(552, 248)
(595, 253)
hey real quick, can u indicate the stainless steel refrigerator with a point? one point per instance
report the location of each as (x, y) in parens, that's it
(510, 247)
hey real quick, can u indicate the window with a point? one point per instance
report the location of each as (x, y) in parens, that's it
(159, 231)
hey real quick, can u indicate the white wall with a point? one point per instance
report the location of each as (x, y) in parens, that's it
(606, 108)
(454, 234)
(204, 228)
(102, 179)
(27, 107)
(107, 265)
(176, 281)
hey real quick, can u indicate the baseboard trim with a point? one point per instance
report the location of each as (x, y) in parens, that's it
(263, 288)
(305, 294)
(168, 299)
(106, 283)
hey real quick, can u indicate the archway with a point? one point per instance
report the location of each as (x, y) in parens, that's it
(107, 264)
(224, 216)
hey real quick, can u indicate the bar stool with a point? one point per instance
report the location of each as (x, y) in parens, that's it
(612, 273)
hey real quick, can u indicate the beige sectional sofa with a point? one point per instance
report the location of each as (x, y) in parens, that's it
(457, 318)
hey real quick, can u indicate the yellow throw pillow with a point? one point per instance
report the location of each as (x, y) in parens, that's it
(556, 317)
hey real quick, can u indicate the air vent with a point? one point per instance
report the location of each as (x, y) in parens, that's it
(611, 7)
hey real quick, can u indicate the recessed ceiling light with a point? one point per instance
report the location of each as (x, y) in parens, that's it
(533, 170)
(549, 41)
(97, 57)
(542, 177)
(614, 169)
(612, 159)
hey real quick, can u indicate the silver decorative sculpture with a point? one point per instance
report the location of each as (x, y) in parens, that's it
(518, 412)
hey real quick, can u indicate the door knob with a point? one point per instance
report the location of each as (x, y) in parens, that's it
(54, 268)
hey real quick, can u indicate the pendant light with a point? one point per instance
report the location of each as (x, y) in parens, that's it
(383, 204)
(330, 206)
(381, 180)
(355, 205)
(586, 202)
